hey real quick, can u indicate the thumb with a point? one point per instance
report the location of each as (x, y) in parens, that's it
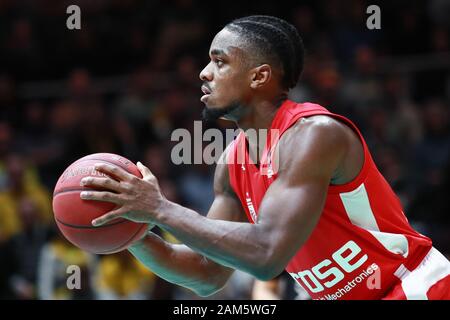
(144, 170)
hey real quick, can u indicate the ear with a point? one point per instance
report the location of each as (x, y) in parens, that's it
(261, 75)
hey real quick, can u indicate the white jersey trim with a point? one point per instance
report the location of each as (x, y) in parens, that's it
(416, 283)
(359, 211)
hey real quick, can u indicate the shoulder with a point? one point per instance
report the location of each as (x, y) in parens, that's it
(314, 129)
(317, 140)
(323, 126)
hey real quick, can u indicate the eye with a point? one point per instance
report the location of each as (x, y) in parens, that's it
(219, 63)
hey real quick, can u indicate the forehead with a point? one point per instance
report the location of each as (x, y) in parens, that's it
(227, 43)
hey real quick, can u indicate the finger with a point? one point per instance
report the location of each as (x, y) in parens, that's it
(113, 171)
(105, 183)
(144, 170)
(114, 214)
(101, 196)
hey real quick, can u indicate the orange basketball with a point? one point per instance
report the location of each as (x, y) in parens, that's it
(74, 215)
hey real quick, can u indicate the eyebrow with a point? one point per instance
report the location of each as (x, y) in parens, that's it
(218, 52)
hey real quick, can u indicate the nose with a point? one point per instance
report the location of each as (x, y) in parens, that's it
(206, 74)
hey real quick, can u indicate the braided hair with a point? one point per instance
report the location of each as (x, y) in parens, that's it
(275, 41)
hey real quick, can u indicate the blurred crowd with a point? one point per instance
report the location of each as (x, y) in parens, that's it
(129, 77)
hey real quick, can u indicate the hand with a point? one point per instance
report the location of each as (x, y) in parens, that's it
(137, 199)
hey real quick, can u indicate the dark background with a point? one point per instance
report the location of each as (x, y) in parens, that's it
(129, 77)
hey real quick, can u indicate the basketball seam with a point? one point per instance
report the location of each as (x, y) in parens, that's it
(89, 227)
(125, 243)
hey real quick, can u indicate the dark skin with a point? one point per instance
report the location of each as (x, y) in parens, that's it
(327, 152)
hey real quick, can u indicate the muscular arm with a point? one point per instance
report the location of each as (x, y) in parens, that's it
(178, 263)
(311, 153)
(288, 212)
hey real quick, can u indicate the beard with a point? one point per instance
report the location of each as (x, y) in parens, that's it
(230, 112)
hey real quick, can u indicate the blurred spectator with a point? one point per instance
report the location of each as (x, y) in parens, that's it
(279, 288)
(8, 100)
(196, 187)
(22, 47)
(24, 248)
(138, 104)
(22, 183)
(433, 152)
(265, 290)
(156, 158)
(361, 88)
(120, 276)
(80, 87)
(6, 271)
(439, 11)
(6, 141)
(431, 204)
(55, 258)
(96, 132)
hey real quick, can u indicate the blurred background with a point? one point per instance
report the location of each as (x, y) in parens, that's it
(129, 77)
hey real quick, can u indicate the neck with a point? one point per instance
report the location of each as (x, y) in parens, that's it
(259, 117)
(261, 113)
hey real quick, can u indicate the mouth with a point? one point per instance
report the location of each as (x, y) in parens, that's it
(206, 90)
(206, 94)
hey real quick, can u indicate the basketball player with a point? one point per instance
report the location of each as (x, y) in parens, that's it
(325, 214)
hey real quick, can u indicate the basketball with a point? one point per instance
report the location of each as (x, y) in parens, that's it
(74, 215)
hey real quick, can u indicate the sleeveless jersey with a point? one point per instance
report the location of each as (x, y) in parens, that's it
(362, 239)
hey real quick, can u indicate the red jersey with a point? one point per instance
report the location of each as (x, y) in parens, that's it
(362, 240)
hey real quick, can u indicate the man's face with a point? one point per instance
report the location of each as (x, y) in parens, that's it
(226, 78)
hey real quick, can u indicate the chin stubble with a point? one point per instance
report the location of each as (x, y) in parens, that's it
(231, 112)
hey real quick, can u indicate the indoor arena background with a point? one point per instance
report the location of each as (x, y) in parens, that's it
(129, 77)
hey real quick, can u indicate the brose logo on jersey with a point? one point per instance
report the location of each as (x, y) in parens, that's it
(314, 279)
